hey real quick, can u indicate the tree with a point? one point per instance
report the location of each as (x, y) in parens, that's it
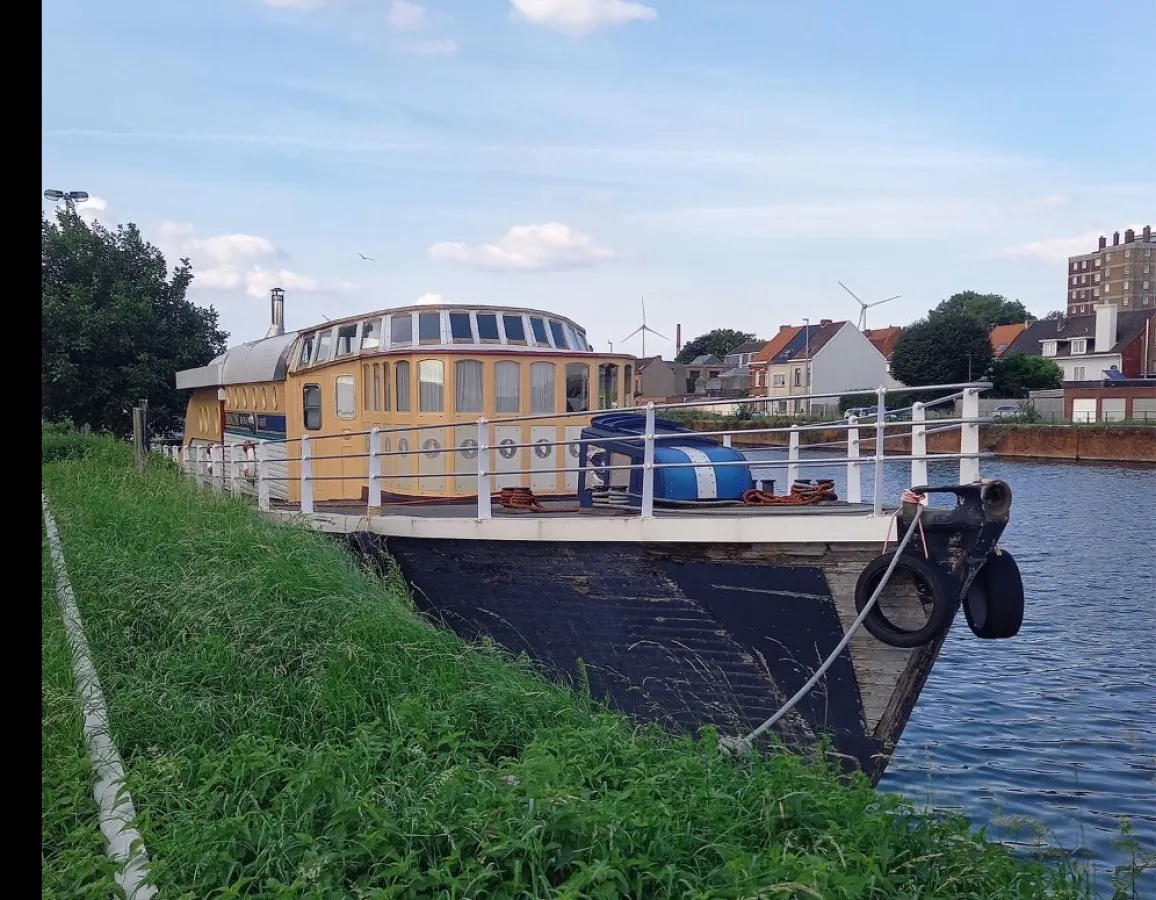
(1018, 373)
(942, 349)
(989, 309)
(719, 343)
(115, 328)
(1055, 314)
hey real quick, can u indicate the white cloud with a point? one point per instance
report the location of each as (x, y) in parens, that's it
(579, 17)
(1053, 250)
(551, 245)
(430, 300)
(95, 209)
(433, 48)
(404, 15)
(232, 262)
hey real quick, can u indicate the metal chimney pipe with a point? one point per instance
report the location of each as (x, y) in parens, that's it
(277, 313)
(678, 338)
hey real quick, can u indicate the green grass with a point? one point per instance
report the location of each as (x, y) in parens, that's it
(73, 862)
(292, 729)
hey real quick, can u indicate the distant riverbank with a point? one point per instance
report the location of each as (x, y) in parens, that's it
(1101, 443)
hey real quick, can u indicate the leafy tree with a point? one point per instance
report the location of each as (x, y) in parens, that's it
(942, 349)
(1055, 314)
(989, 309)
(1018, 373)
(115, 327)
(719, 342)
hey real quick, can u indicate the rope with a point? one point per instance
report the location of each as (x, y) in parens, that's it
(522, 498)
(803, 493)
(744, 744)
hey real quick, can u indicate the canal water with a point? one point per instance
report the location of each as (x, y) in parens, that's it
(1049, 738)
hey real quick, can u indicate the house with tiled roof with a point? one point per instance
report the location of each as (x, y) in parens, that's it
(1003, 336)
(834, 357)
(1088, 347)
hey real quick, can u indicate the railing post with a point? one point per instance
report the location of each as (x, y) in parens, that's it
(969, 437)
(484, 498)
(235, 470)
(219, 468)
(306, 476)
(793, 456)
(373, 498)
(726, 440)
(880, 413)
(648, 464)
(262, 477)
(854, 488)
(183, 459)
(918, 445)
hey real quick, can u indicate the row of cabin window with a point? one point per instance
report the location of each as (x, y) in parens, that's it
(252, 398)
(463, 328)
(469, 389)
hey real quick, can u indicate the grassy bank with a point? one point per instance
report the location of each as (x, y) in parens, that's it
(292, 729)
(73, 863)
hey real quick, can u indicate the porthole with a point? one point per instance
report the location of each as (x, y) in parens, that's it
(506, 448)
(575, 449)
(542, 449)
(431, 447)
(470, 448)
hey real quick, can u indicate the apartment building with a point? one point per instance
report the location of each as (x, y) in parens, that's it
(1122, 273)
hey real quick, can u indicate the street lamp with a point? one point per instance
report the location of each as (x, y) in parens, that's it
(70, 198)
(807, 351)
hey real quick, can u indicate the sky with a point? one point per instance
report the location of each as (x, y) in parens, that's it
(729, 161)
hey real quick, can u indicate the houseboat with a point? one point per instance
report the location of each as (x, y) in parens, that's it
(498, 459)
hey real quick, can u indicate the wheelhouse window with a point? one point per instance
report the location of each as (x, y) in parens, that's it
(558, 335)
(515, 330)
(608, 386)
(577, 387)
(324, 345)
(346, 340)
(429, 328)
(488, 328)
(370, 335)
(539, 329)
(345, 396)
(541, 388)
(401, 328)
(311, 404)
(583, 344)
(628, 385)
(404, 396)
(460, 329)
(507, 387)
(431, 386)
(308, 343)
(468, 392)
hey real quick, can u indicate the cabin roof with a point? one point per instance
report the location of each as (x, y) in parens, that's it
(256, 361)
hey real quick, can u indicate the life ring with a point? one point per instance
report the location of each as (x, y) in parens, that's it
(249, 468)
(994, 604)
(928, 586)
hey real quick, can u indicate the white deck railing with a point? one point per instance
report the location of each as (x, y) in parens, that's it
(219, 467)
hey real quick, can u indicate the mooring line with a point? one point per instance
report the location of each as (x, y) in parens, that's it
(117, 813)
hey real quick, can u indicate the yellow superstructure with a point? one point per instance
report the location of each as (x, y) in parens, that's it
(423, 375)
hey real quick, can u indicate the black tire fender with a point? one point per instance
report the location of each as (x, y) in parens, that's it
(994, 604)
(882, 628)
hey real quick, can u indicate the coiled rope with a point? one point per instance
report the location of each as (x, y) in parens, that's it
(742, 745)
(803, 493)
(522, 498)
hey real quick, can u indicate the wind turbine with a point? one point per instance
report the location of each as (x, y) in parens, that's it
(643, 328)
(863, 307)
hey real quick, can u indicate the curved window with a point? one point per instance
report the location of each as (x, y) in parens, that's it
(539, 329)
(264, 399)
(541, 388)
(401, 328)
(371, 334)
(468, 392)
(488, 328)
(556, 333)
(383, 389)
(311, 404)
(345, 396)
(515, 330)
(346, 339)
(323, 346)
(577, 387)
(368, 395)
(507, 387)
(431, 386)
(273, 397)
(306, 355)
(403, 393)
(460, 330)
(429, 328)
(608, 386)
(583, 344)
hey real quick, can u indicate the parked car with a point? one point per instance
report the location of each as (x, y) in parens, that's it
(1007, 411)
(860, 412)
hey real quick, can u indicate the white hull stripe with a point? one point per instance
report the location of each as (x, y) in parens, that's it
(703, 473)
(116, 809)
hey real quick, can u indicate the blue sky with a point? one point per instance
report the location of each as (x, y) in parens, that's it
(731, 160)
